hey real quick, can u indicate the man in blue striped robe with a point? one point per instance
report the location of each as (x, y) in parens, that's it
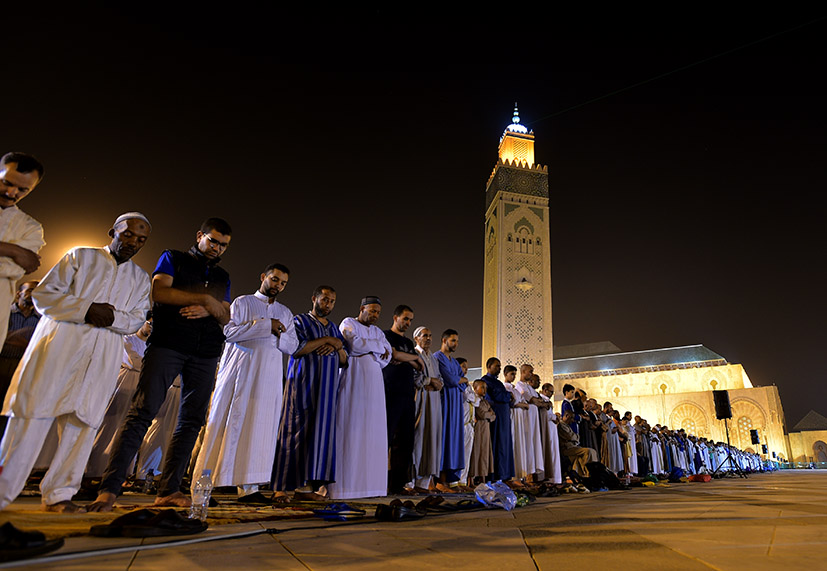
(305, 454)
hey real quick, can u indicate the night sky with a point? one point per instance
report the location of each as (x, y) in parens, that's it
(687, 158)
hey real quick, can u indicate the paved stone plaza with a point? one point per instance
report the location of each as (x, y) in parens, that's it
(767, 521)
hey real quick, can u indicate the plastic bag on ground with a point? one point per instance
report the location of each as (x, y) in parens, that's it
(496, 494)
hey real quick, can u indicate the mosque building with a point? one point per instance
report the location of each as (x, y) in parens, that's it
(670, 386)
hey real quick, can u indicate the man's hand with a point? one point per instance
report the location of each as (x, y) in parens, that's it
(24, 258)
(334, 342)
(523, 405)
(463, 381)
(325, 349)
(330, 345)
(419, 364)
(194, 311)
(276, 327)
(100, 315)
(215, 308)
(435, 383)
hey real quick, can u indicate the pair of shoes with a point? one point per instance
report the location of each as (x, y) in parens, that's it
(435, 503)
(547, 491)
(339, 512)
(18, 544)
(397, 512)
(149, 523)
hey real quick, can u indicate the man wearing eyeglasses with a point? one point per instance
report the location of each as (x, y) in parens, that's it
(191, 295)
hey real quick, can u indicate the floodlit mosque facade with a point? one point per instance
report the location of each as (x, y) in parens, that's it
(671, 386)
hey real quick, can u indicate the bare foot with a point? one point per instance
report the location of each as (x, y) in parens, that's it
(280, 498)
(103, 503)
(176, 499)
(446, 489)
(64, 507)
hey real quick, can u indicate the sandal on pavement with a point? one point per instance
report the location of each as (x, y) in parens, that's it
(396, 513)
(115, 527)
(166, 522)
(339, 510)
(18, 544)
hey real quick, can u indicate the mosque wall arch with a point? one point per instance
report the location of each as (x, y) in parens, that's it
(819, 451)
(690, 417)
(747, 415)
(663, 384)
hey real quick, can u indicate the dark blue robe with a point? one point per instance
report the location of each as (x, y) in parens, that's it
(501, 443)
(453, 435)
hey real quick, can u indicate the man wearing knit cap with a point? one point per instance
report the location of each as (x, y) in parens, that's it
(88, 301)
(361, 426)
(427, 455)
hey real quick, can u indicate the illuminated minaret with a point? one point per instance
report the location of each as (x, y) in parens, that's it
(517, 281)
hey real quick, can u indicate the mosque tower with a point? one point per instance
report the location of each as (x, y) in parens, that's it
(516, 321)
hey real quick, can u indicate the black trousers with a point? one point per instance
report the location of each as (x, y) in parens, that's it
(401, 412)
(161, 366)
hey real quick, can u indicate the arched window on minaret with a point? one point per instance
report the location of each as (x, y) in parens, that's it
(525, 240)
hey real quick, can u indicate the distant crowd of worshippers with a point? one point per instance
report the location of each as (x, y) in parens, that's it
(111, 373)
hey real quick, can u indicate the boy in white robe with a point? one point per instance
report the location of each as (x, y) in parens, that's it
(89, 300)
(551, 441)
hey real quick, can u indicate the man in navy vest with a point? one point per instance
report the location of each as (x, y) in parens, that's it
(191, 297)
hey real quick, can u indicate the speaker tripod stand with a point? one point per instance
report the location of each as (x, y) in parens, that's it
(729, 457)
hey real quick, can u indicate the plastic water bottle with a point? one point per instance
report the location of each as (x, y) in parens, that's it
(201, 491)
(149, 481)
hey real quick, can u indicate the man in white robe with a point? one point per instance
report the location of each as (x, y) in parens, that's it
(89, 300)
(240, 439)
(361, 424)
(471, 402)
(534, 445)
(428, 427)
(21, 236)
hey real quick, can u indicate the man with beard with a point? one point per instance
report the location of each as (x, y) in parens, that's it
(400, 399)
(240, 439)
(453, 399)
(501, 443)
(22, 321)
(361, 450)
(21, 236)
(191, 295)
(427, 457)
(89, 301)
(305, 455)
(570, 445)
